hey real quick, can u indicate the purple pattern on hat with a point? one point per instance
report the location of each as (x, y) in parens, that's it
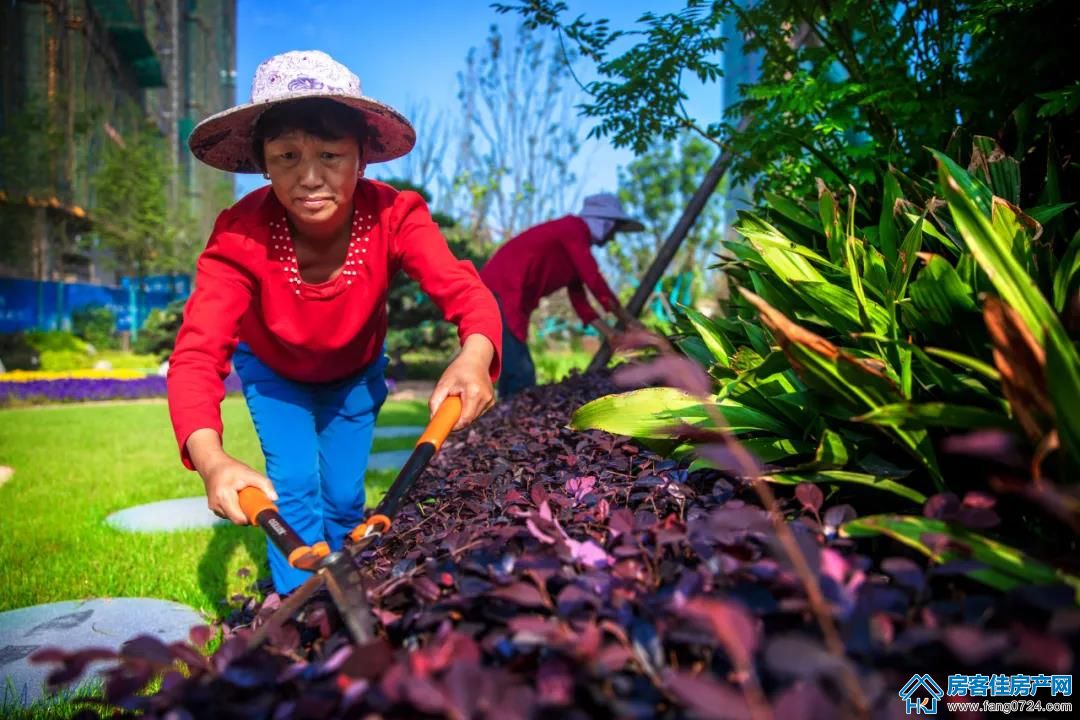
(294, 73)
(305, 83)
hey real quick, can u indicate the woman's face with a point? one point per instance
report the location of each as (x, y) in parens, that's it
(313, 178)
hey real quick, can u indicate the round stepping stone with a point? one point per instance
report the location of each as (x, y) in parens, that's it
(396, 431)
(389, 460)
(77, 625)
(182, 514)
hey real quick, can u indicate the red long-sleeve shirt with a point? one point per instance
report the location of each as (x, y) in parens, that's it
(247, 289)
(540, 261)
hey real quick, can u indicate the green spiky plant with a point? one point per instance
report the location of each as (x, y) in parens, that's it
(850, 352)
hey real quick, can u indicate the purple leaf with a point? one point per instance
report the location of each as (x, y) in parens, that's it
(905, 572)
(520, 593)
(579, 487)
(997, 445)
(800, 657)
(810, 496)
(706, 697)
(729, 623)
(588, 553)
(942, 506)
(804, 701)
(835, 517)
(573, 598)
(555, 682)
(673, 371)
(974, 646)
(148, 648)
(200, 635)
(1042, 651)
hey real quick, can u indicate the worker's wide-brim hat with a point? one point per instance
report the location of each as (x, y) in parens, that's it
(224, 140)
(608, 207)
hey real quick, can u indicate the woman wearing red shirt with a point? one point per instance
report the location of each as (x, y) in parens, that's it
(291, 290)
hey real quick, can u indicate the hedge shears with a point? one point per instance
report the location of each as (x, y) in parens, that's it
(337, 571)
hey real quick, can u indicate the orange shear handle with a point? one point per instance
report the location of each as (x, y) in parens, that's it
(259, 510)
(442, 423)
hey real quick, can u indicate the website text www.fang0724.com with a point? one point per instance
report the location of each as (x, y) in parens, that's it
(1010, 706)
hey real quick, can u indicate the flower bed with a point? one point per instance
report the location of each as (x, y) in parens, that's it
(544, 573)
(87, 374)
(75, 387)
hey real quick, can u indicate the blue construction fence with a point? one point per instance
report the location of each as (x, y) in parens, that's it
(47, 305)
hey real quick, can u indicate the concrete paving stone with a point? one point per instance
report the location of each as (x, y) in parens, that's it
(77, 625)
(396, 431)
(390, 460)
(166, 515)
(192, 513)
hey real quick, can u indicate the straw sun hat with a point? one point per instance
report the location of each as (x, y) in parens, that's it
(224, 140)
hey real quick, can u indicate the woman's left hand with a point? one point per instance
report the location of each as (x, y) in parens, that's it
(469, 377)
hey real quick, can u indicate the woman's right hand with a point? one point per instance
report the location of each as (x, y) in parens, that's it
(223, 475)
(224, 481)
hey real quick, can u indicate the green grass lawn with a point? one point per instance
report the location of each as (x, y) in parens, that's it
(77, 464)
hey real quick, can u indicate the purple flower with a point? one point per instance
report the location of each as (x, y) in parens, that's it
(84, 390)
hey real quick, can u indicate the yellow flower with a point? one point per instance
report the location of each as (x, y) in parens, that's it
(28, 375)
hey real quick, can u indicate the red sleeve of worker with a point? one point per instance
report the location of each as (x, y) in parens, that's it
(577, 246)
(455, 286)
(580, 301)
(200, 361)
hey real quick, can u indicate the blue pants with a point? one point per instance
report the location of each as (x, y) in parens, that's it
(316, 438)
(518, 371)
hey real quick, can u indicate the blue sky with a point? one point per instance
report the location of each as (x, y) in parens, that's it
(410, 52)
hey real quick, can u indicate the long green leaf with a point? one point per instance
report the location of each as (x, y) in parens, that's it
(794, 212)
(908, 257)
(856, 281)
(940, 294)
(1006, 567)
(888, 235)
(832, 453)
(1019, 291)
(1045, 213)
(1003, 171)
(765, 449)
(1065, 276)
(842, 308)
(966, 361)
(933, 414)
(842, 476)
(715, 340)
(829, 211)
(657, 413)
(932, 231)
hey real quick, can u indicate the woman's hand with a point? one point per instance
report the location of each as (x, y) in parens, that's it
(224, 476)
(224, 483)
(469, 377)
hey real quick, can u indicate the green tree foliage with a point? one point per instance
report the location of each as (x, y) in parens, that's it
(95, 324)
(158, 334)
(132, 215)
(416, 323)
(655, 187)
(846, 89)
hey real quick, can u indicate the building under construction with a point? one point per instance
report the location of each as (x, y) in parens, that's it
(77, 75)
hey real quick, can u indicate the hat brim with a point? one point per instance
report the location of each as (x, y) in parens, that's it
(627, 224)
(223, 141)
